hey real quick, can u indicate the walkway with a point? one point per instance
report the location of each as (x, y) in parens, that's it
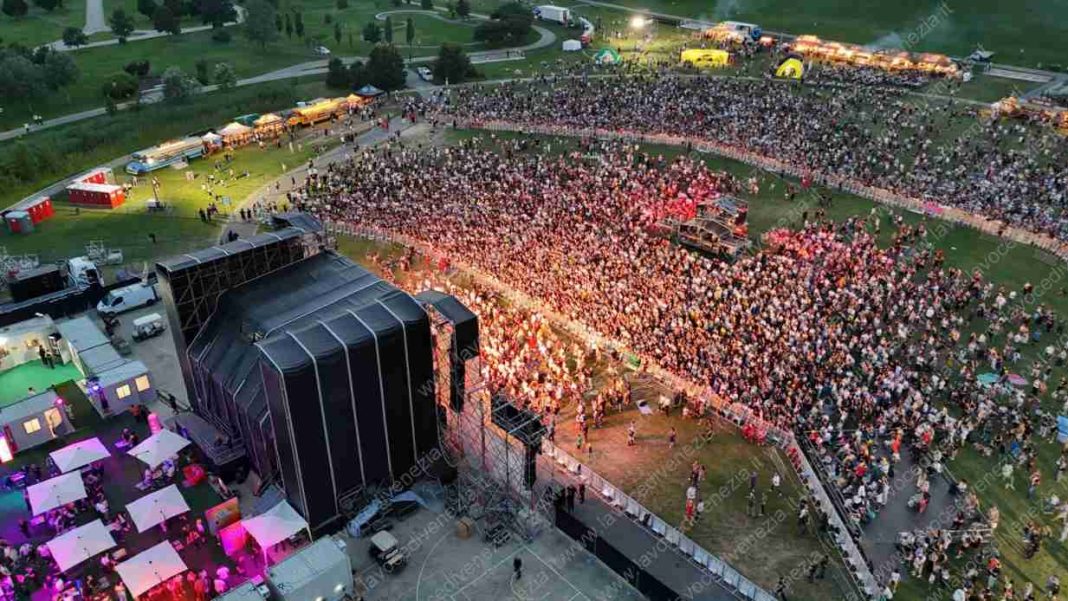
(94, 17)
(96, 22)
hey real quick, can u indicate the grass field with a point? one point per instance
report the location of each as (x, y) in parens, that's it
(39, 26)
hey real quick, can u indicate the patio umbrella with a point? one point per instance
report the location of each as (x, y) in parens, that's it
(56, 492)
(158, 448)
(151, 568)
(72, 548)
(156, 508)
(1017, 380)
(78, 454)
(275, 525)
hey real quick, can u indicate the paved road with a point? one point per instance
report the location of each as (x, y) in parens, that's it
(94, 17)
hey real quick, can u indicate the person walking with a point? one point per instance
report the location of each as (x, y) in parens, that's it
(517, 567)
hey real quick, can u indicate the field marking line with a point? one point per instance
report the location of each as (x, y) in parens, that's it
(577, 590)
(487, 571)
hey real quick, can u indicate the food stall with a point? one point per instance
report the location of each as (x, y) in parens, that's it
(235, 134)
(813, 48)
(269, 126)
(702, 58)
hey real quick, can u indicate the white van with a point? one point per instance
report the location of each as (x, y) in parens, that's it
(127, 298)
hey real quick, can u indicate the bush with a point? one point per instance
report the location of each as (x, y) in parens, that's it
(120, 86)
(221, 35)
(342, 4)
(139, 68)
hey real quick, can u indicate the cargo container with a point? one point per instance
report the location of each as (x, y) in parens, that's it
(96, 195)
(162, 155)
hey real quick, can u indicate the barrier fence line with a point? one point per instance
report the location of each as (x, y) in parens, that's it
(740, 414)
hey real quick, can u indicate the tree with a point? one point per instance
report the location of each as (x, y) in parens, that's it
(385, 68)
(388, 30)
(298, 25)
(74, 37)
(216, 12)
(110, 106)
(177, 85)
(147, 7)
(138, 68)
(426, 4)
(453, 64)
(47, 5)
(509, 25)
(289, 27)
(463, 8)
(59, 70)
(122, 25)
(20, 78)
(120, 86)
(409, 35)
(357, 75)
(15, 8)
(259, 22)
(337, 33)
(165, 21)
(224, 76)
(337, 76)
(372, 32)
(176, 6)
(342, 4)
(203, 77)
(278, 22)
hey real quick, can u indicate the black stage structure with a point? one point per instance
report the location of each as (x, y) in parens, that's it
(318, 369)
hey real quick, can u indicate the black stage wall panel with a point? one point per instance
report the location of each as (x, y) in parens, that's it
(287, 462)
(363, 367)
(420, 370)
(392, 365)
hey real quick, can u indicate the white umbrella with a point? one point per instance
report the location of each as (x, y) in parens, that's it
(150, 568)
(72, 548)
(275, 525)
(78, 454)
(56, 492)
(158, 448)
(157, 507)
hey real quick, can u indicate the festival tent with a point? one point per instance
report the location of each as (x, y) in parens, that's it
(792, 67)
(571, 46)
(150, 568)
(157, 507)
(275, 525)
(56, 492)
(78, 454)
(212, 138)
(369, 91)
(72, 548)
(158, 448)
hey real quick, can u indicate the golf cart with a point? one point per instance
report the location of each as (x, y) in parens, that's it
(147, 326)
(385, 550)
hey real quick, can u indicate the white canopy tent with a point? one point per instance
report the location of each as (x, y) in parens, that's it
(150, 568)
(72, 548)
(157, 507)
(56, 492)
(275, 525)
(158, 448)
(79, 454)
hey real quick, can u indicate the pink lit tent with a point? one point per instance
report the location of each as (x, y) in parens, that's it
(79, 454)
(72, 548)
(56, 492)
(150, 568)
(157, 507)
(275, 525)
(158, 448)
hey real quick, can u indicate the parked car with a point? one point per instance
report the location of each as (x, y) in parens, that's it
(386, 551)
(425, 73)
(322, 51)
(127, 298)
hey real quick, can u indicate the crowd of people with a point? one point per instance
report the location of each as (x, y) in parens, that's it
(929, 148)
(859, 347)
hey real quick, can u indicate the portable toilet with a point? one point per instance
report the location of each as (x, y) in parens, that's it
(40, 208)
(19, 222)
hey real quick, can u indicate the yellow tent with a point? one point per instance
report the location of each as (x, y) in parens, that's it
(790, 68)
(703, 58)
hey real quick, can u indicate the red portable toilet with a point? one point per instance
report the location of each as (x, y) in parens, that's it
(39, 209)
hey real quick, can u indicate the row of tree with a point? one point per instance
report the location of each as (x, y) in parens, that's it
(385, 69)
(19, 8)
(28, 74)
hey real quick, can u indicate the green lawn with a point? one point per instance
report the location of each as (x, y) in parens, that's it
(177, 230)
(41, 27)
(15, 382)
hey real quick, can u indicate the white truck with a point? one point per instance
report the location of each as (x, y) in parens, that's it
(127, 298)
(83, 272)
(556, 14)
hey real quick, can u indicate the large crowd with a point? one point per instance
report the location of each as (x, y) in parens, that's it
(927, 148)
(859, 347)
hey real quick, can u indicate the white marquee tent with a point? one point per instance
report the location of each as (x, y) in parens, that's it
(150, 568)
(275, 525)
(158, 448)
(72, 548)
(56, 492)
(79, 454)
(157, 507)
